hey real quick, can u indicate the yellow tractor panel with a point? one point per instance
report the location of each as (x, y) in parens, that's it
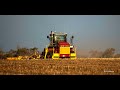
(64, 50)
(55, 56)
(73, 55)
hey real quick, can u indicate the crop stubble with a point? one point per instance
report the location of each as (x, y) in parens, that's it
(82, 66)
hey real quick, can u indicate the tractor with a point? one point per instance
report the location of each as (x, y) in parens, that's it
(59, 47)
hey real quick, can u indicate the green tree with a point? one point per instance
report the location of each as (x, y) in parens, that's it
(33, 50)
(22, 51)
(10, 53)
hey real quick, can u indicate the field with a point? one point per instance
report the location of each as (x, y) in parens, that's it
(82, 66)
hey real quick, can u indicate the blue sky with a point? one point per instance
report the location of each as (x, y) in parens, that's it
(90, 31)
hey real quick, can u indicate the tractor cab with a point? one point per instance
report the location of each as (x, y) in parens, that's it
(56, 37)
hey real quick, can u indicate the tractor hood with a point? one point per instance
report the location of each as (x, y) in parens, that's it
(63, 43)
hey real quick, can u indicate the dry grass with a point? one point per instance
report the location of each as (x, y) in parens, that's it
(83, 66)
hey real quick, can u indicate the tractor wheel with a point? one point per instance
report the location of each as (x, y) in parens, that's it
(49, 55)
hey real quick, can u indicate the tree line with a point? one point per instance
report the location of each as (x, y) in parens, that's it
(108, 53)
(19, 52)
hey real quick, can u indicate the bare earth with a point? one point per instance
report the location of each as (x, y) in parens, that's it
(83, 66)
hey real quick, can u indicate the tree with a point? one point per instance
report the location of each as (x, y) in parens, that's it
(22, 51)
(108, 53)
(1, 51)
(1, 54)
(95, 54)
(33, 50)
(117, 56)
(11, 53)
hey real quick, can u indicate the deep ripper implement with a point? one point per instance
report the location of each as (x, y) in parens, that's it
(59, 47)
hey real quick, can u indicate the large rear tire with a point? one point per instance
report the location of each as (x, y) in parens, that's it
(49, 55)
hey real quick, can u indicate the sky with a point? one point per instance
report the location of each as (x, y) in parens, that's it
(91, 32)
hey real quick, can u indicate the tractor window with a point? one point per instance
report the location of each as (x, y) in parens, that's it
(60, 38)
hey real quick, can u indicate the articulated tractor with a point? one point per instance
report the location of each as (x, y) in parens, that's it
(59, 47)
